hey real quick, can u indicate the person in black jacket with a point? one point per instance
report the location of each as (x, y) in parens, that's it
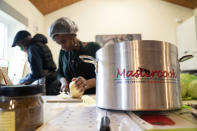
(43, 68)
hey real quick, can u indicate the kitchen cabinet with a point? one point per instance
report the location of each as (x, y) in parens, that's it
(187, 41)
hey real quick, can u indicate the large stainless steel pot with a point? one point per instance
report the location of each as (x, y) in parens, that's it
(137, 75)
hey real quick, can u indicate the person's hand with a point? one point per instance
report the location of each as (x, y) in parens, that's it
(80, 83)
(64, 85)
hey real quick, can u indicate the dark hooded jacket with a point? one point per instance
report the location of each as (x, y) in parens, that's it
(39, 58)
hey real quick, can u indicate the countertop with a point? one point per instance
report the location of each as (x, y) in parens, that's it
(78, 116)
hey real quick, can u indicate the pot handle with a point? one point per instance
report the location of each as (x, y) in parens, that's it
(89, 59)
(185, 57)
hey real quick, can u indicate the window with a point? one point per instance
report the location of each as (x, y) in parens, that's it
(10, 57)
(3, 41)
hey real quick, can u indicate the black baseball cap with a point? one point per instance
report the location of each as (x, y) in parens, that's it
(20, 36)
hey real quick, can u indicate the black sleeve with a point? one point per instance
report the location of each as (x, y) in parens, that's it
(36, 65)
(60, 67)
(96, 48)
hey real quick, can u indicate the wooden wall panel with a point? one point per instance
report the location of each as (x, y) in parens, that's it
(48, 6)
(192, 4)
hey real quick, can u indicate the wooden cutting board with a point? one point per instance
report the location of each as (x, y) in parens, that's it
(58, 99)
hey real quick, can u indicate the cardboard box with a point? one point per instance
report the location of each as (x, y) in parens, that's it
(4, 79)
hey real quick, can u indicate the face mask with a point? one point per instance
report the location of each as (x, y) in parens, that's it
(22, 47)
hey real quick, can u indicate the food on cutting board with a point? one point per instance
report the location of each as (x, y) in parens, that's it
(188, 84)
(74, 92)
(63, 95)
(88, 99)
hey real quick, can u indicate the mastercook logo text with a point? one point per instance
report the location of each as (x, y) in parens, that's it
(145, 73)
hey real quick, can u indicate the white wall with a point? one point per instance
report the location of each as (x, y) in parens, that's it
(195, 12)
(154, 19)
(35, 18)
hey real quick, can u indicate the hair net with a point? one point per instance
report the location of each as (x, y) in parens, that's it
(62, 25)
